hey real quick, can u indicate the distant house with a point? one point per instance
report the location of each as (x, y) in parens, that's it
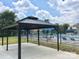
(77, 27)
(72, 30)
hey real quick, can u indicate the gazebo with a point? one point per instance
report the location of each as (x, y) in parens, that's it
(28, 23)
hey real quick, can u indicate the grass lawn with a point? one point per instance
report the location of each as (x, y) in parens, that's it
(63, 47)
(13, 40)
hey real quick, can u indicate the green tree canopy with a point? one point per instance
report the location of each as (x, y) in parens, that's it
(7, 18)
(62, 28)
(65, 27)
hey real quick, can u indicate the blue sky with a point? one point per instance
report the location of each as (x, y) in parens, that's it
(57, 11)
(42, 5)
(7, 2)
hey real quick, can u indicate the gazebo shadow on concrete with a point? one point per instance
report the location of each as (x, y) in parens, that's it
(28, 23)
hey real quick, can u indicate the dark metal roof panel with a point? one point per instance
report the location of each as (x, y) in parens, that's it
(30, 24)
(10, 26)
(30, 21)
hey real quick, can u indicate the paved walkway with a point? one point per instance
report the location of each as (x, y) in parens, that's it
(33, 51)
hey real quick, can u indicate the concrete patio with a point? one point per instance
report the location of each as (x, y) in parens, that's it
(33, 51)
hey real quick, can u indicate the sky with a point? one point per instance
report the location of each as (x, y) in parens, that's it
(58, 11)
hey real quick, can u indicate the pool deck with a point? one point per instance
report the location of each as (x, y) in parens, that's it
(33, 51)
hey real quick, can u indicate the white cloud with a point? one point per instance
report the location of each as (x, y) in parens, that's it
(69, 5)
(43, 14)
(22, 6)
(20, 15)
(69, 10)
(52, 3)
(3, 8)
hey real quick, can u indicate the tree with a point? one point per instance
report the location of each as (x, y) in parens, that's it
(7, 18)
(62, 29)
(65, 27)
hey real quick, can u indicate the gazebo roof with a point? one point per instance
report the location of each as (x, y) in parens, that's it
(30, 23)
